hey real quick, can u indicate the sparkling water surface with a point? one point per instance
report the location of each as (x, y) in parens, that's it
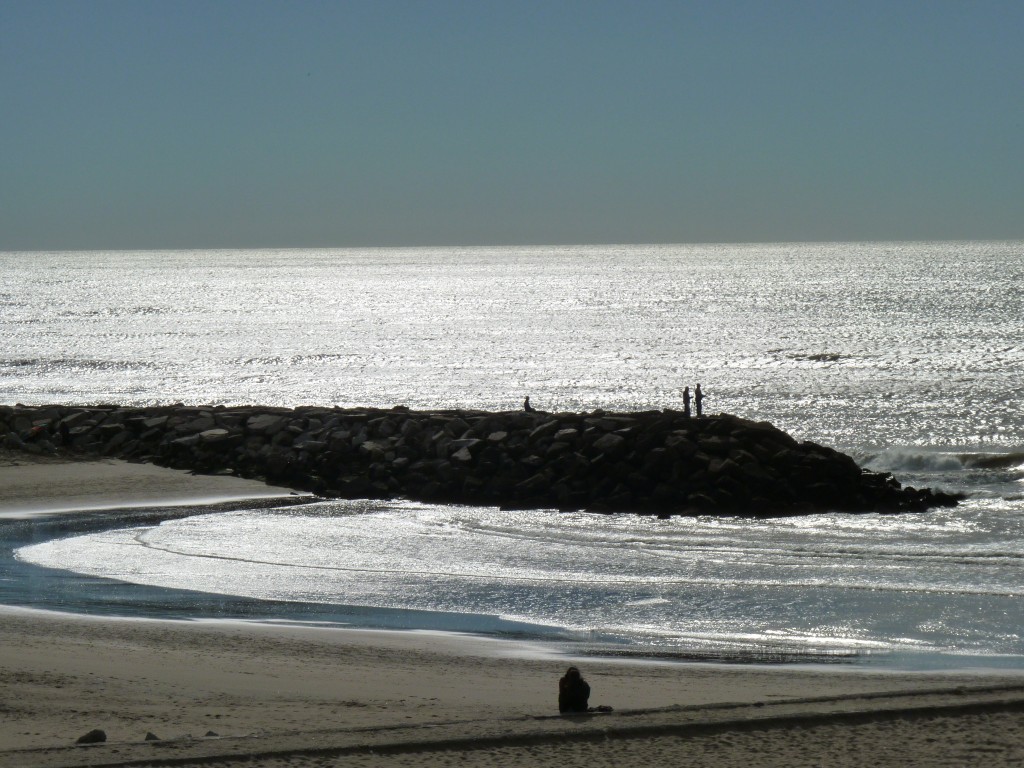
(878, 343)
(823, 584)
(906, 355)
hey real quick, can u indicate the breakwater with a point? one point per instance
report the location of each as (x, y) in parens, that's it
(653, 462)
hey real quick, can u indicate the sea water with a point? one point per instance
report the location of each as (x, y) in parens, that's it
(905, 355)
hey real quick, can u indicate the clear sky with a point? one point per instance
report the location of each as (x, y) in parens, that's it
(243, 124)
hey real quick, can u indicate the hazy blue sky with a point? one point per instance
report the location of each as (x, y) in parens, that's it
(244, 124)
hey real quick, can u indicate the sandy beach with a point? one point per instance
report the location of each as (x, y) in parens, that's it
(271, 695)
(33, 485)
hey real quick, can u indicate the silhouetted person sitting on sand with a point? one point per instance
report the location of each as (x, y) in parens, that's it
(698, 401)
(686, 402)
(526, 405)
(573, 692)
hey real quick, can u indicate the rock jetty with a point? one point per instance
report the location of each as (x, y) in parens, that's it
(652, 462)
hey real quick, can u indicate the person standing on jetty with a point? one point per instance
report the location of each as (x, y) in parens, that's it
(526, 405)
(686, 402)
(698, 401)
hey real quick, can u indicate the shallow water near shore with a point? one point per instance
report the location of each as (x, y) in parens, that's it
(824, 588)
(905, 355)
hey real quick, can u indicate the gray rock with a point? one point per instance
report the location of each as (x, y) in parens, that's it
(119, 439)
(95, 736)
(78, 417)
(715, 444)
(456, 427)
(199, 424)
(463, 455)
(215, 435)
(609, 443)
(266, 423)
(544, 430)
(612, 423)
(557, 449)
(374, 448)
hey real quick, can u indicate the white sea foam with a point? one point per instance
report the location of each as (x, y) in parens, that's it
(616, 577)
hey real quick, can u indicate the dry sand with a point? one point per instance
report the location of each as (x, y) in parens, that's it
(261, 695)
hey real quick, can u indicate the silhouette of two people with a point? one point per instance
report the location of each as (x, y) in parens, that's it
(698, 401)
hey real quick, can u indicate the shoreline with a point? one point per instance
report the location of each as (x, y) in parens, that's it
(155, 494)
(274, 694)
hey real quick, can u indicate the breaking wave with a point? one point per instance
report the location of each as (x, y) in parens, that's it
(898, 460)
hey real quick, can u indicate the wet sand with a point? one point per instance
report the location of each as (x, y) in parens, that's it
(34, 485)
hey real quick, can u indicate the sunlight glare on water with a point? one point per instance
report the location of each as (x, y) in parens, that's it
(844, 343)
(612, 576)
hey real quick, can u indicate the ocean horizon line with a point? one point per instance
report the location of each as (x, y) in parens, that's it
(506, 246)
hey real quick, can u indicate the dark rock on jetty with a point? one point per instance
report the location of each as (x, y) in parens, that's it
(654, 462)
